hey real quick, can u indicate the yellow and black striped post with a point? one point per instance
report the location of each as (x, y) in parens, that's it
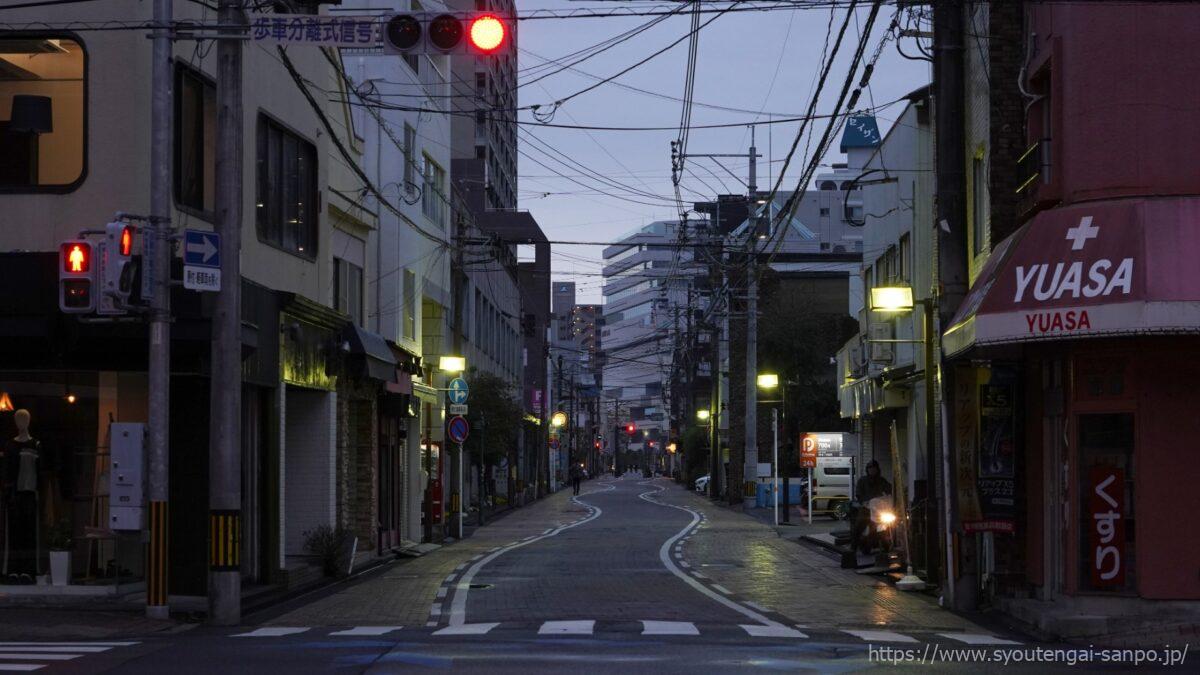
(156, 563)
(224, 540)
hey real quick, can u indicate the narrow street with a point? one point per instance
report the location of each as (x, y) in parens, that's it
(634, 574)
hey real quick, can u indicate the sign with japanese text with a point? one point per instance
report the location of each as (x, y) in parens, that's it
(1106, 510)
(808, 452)
(322, 31)
(997, 456)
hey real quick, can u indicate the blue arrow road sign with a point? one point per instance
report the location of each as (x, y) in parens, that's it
(458, 429)
(458, 391)
(202, 249)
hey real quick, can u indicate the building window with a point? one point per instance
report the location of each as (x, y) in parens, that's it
(195, 141)
(410, 305)
(825, 211)
(905, 257)
(42, 114)
(481, 152)
(433, 192)
(978, 205)
(287, 190)
(347, 289)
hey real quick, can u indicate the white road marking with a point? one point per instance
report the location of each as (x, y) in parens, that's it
(767, 624)
(467, 629)
(669, 628)
(442, 592)
(978, 639)
(774, 630)
(68, 644)
(458, 606)
(430, 624)
(460, 566)
(721, 589)
(278, 631)
(435, 610)
(41, 657)
(880, 636)
(22, 667)
(583, 627)
(56, 649)
(684, 563)
(368, 630)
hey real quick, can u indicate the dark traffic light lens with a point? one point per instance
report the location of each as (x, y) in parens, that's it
(445, 32)
(403, 32)
(77, 293)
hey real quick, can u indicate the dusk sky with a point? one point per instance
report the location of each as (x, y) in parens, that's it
(765, 63)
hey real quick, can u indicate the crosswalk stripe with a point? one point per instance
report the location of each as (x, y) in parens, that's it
(368, 630)
(721, 589)
(669, 628)
(55, 649)
(277, 631)
(68, 644)
(583, 627)
(978, 639)
(467, 629)
(880, 636)
(41, 657)
(774, 630)
(22, 667)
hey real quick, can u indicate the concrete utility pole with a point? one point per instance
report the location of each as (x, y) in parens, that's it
(950, 245)
(158, 262)
(750, 472)
(225, 408)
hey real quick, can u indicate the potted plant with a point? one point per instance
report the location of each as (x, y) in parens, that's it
(58, 540)
(333, 546)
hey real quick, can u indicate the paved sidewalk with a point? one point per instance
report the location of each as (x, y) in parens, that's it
(404, 594)
(35, 623)
(749, 558)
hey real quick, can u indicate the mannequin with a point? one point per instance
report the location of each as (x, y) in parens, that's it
(22, 458)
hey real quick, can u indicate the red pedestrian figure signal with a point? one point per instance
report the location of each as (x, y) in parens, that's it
(77, 258)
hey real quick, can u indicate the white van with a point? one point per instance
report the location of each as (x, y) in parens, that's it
(832, 477)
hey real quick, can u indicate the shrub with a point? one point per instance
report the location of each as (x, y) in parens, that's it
(329, 545)
(60, 535)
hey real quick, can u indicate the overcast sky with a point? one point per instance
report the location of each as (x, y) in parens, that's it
(757, 61)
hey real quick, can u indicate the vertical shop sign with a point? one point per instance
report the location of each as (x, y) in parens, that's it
(1106, 507)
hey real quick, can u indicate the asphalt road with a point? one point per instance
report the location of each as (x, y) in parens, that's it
(600, 583)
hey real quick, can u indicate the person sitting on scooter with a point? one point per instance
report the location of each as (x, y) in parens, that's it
(870, 486)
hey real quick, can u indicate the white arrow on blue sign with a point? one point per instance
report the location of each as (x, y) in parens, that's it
(202, 249)
(458, 391)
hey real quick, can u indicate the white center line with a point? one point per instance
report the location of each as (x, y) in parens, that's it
(368, 630)
(272, 632)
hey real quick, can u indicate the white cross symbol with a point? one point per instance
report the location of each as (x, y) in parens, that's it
(1081, 233)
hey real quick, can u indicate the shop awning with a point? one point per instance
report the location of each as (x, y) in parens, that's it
(1109, 268)
(378, 357)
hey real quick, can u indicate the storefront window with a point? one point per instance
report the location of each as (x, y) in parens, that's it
(42, 121)
(1106, 508)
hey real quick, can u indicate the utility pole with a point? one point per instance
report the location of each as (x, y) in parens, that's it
(750, 471)
(949, 236)
(158, 259)
(225, 408)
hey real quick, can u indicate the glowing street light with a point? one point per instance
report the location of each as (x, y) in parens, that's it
(452, 364)
(768, 380)
(892, 299)
(703, 414)
(558, 419)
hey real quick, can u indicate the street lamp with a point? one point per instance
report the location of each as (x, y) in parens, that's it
(894, 299)
(771, 381)
(703, 414)
(452, 364)
(558, 419)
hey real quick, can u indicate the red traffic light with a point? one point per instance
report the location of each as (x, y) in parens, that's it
(630, 428)
(127, 241)
(76, 257)
(487, 33)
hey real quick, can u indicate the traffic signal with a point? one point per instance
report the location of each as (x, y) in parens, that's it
(478, 33)
(76, 275)
(631, 428)
(118, 267)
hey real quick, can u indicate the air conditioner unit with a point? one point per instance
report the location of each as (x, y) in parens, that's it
(882, 352)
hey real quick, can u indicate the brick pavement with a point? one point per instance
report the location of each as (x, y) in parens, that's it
(404, 594)
(805, 585)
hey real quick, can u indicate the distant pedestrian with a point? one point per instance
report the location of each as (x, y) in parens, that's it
(576, 477)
